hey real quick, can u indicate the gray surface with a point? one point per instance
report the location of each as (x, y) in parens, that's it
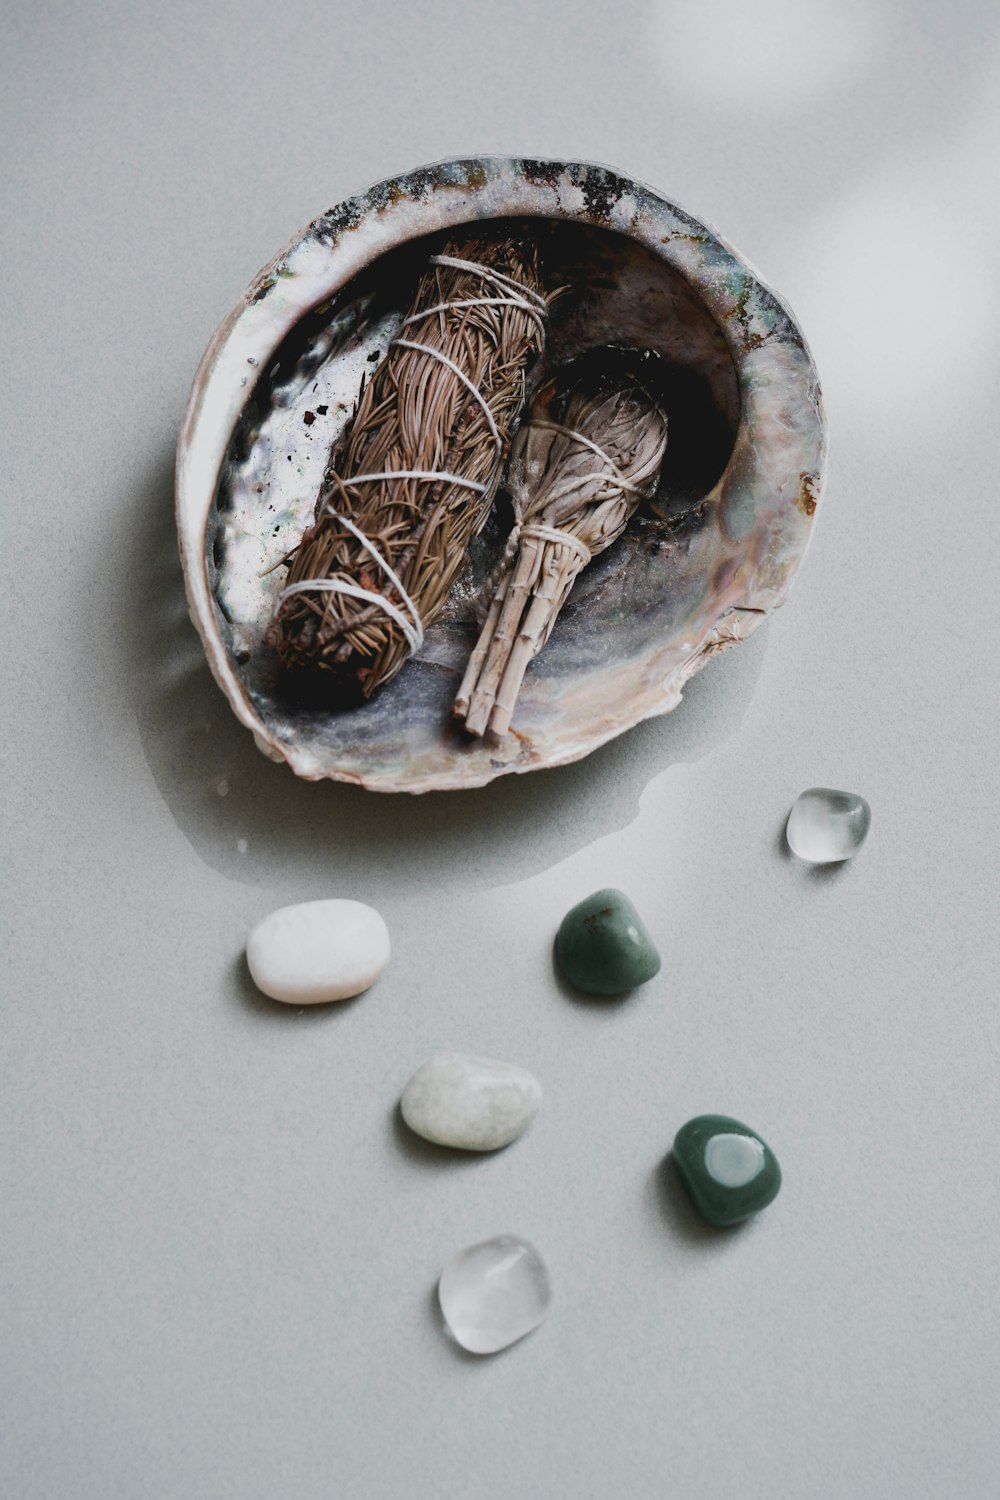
(219, 1248)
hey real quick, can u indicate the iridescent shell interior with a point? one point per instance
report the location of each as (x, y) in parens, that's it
(699, 566)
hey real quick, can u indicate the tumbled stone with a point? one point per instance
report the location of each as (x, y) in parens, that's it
(493, 1293)
(472, 1103)
(318, 951)
(826, 826)
(728, 1171)
(603, 947)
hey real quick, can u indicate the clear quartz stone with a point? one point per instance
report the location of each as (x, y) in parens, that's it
(825, 826)
(493, 1293)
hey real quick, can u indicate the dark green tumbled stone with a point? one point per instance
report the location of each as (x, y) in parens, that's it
(728, 1171)
(603, 947)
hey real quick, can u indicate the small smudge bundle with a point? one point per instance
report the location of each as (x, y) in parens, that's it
(590, 451)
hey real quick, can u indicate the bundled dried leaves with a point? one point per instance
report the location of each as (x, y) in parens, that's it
(375, 568)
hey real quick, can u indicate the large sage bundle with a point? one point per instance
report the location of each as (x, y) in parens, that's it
(415, 477)
(582, 462)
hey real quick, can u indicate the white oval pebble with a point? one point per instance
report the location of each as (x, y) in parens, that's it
(473, 1103)
(317, 951)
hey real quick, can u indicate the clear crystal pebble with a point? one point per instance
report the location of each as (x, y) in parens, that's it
(825, 826)
(493, 1293)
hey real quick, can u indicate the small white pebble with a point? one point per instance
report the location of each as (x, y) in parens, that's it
(318, 951)
(223, 788)
(472, 1103)
(242, 845)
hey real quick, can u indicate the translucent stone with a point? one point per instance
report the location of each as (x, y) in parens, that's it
(493, 1293)
(825, 826)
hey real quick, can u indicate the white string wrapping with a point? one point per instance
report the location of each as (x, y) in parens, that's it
(413, 629)
(554, 534)
(435, 474)
(431, 475)
(520, 302)
(587, 442)
(461, 375)
(489, 274)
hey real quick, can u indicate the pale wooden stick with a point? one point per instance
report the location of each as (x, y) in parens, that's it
(478, 657)
(559, 568)
(517, 593)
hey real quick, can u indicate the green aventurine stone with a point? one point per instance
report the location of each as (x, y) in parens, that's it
(602, 946)
(728, 1171)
